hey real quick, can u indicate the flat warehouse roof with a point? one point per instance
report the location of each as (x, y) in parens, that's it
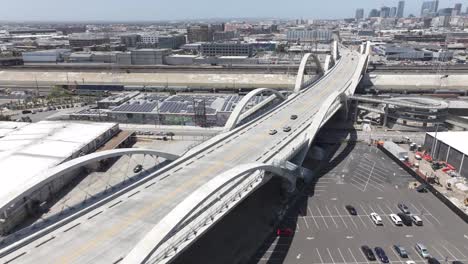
(455, 139)
(27, 152)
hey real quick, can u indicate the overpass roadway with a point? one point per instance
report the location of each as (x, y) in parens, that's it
(107, 233)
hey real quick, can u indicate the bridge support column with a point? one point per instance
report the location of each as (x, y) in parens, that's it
(385, 116)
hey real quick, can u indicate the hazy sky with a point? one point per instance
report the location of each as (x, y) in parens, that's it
(115, 10)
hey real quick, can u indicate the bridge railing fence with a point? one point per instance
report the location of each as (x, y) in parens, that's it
(190, 230)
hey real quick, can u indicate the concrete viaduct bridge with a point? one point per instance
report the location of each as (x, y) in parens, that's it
(156, 218)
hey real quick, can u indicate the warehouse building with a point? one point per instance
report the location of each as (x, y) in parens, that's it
(149, 56)
(41, 146)
(53, 56)
(451, 147)
(309, 35)
(86, 40)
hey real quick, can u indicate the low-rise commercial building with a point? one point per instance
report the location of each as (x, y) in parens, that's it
(226, 49)
(309, 35)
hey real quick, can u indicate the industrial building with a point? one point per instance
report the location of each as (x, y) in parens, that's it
(309, 35)
(40, 146)
(226, 49)
(81, 40)
(149, 56)
(164, 109)
(451, 147)
(200, 33)
(53, 56)
(393, 52)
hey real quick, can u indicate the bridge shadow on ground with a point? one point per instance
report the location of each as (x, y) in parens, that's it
(248, 233)
(275, 249)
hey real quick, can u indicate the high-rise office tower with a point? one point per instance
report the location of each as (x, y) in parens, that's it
(401, 9)
(374, 13)
(429, 8)
(393, 12)
(359, 14)
(384, 11)
(457, 9)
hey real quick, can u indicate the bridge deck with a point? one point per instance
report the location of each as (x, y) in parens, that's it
(109, 236)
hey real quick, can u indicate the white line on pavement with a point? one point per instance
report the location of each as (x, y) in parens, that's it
(323, 218)
(310, 212)
(333, 219)
(331, 256)
(320, 256)
(341, 217)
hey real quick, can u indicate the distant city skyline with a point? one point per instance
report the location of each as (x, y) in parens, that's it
(147, 10)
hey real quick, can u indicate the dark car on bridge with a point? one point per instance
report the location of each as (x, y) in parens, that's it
(137, 168)
(368, 253)
(293, 117)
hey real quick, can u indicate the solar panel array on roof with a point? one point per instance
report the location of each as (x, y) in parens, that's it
(136, 107)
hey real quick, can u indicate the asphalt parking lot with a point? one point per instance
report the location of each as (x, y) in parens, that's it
(324, 231)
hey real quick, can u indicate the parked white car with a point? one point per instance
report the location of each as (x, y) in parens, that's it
(417, 220)
(376, 218)
(396, 219)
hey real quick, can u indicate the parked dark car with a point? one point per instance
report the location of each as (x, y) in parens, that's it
(381, 254)
(351, 209)
(403, 208)
(401, 251)
(368, 253)
(432, 261)
(406, 219)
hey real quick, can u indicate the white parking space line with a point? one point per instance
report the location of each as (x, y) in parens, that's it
(418, 255)
(367, 216)
(328, 250)
(341, 254)
(453, 246)
(442, 256)
(383, 212)
(305, 221)
(390, 209)
(323, 218)
(393, 250)
(330, 214)
(342, 218)
(446, 249)
(352, 255)
(320, 256)
(429, 213)
(313, 217)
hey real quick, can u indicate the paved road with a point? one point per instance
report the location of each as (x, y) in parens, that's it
(110, 235)
(371, 182)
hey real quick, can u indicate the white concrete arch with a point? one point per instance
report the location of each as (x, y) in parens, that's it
(235, 116)
(301, 71)
(143, 251)
(52, 174)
